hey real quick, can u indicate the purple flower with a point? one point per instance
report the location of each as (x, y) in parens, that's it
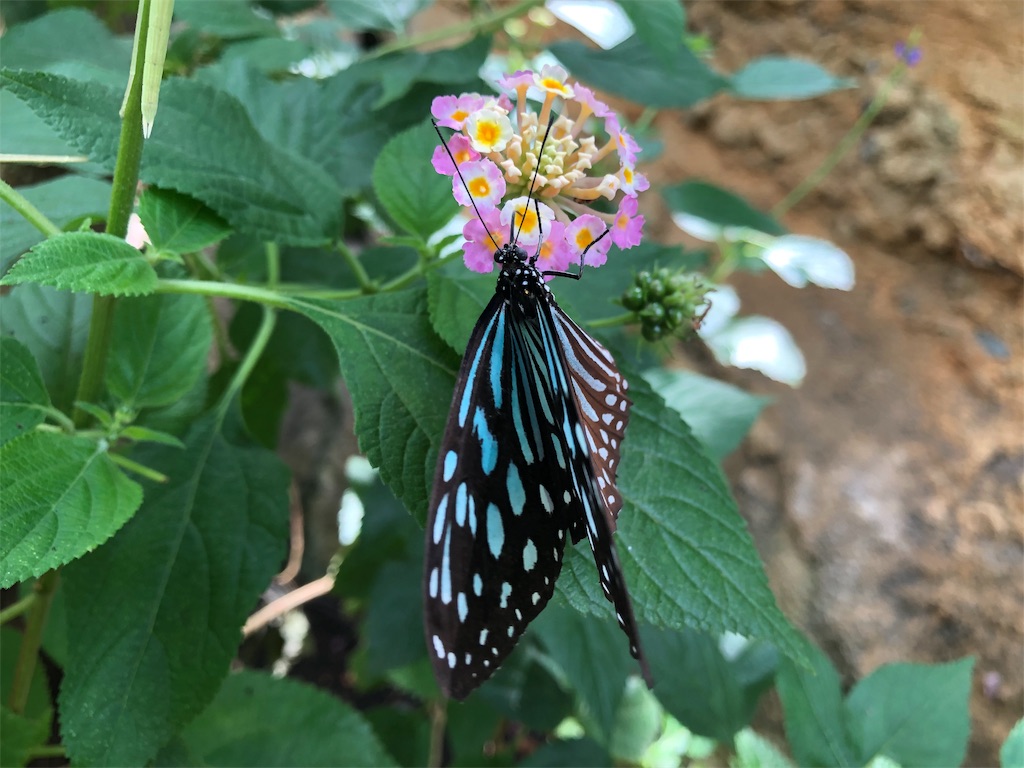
(909, 55)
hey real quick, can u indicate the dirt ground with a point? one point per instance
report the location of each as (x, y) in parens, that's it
(885, 494)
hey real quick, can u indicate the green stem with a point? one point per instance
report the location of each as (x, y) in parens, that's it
(122, 200)
(227, 290)
(614, 321)
(844, 146)
(14, 611)
(252, 356)
(438, 720)
(472, 28)
(29, 212)
(365, 283)
(139, 469)
(44, 588)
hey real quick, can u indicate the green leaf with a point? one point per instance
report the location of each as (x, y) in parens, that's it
(634, 71)
(145, 435)
(686, 552)
(719, 206)
(23, 395)
(159, 346)
(418, 198)
(62, 200)
(457, 296)
(660, 25)
(394, 621)
(755, 751)
(87, 262)
(637, 723)
(257, 187)
(397, 371)
(226, 19)
(66, 35)
(1011, 755)
(61, 496)
(371, 14)
(578, 645)
(161, 605)
(403, 733)
(54, 326)
(178, 223)
(568, 753)
(719, 414)
(813, 705)
(779, 77)
(697, 685)
(22, 736)
(915, 714)
(260, 720)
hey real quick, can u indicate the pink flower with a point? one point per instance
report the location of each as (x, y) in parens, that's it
(625, 144)
(555, 255)
(483, 181)
(461, 151)
(452, 111)
(627, 229)
(522, 77)
(483, 238)
(631, 182)
(581, 236)
(593, 105)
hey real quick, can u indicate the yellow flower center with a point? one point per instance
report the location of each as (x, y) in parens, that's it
(460, 115)
(487, 133)
(583, 239)
(479, 188)
(527, 223)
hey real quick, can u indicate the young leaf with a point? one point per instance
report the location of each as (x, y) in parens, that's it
(86, 262)
(914, 714)
(257, 719)
(60, 496)
(414, 195)
(23, 395)
(719, 414)
(178, 223)
(159, 347)
(813, 705)
(634, 71)
(637, 723)
(778, 77)
(160, 606)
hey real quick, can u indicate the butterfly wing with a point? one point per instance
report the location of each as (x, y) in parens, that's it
(602, 412)
(495, 535)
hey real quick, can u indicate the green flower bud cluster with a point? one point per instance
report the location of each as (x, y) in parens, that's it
(665, 302)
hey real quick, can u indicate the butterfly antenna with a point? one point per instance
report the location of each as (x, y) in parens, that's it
(465, 185)
(533, 181)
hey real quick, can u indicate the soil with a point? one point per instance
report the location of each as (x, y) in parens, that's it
(885, 494)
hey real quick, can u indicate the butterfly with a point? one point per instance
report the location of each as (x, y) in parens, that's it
(528, 458)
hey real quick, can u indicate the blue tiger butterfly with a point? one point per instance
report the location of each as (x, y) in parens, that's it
(529, 454)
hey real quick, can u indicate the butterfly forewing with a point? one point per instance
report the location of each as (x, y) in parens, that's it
(496, 535)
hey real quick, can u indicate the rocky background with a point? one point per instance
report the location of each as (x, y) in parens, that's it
(885, 494)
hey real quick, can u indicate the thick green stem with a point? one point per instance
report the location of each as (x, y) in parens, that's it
(365, 283)
(613, 322)
(44, 588)
(122, 201)
(227, 290)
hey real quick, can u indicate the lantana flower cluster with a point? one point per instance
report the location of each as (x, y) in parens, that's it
(496, 148)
